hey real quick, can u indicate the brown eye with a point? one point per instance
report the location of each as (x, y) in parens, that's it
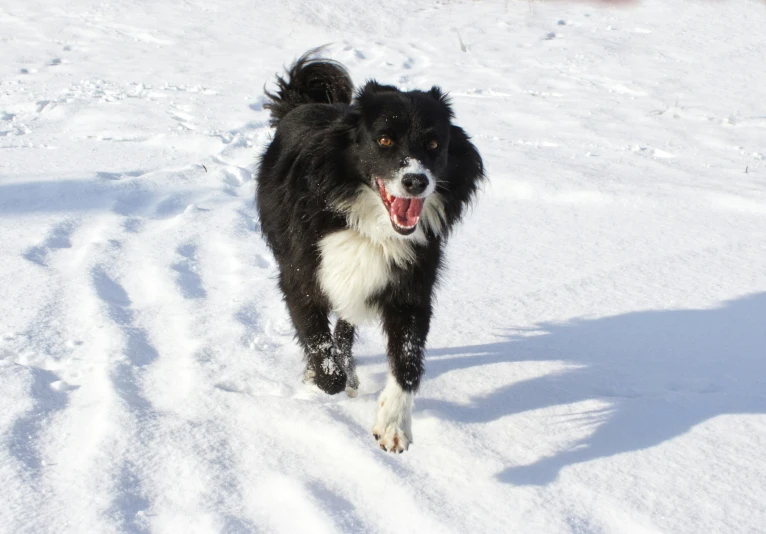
(433, 144)
(385, 141)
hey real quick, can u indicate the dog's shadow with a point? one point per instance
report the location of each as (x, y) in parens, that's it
(660, 372)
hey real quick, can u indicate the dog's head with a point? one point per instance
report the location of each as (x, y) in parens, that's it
(402, 142)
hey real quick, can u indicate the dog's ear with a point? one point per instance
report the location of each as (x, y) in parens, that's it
(372, 87)
(368, 99)
(440, 96)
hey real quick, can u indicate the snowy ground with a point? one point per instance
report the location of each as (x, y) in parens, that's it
(597, 359)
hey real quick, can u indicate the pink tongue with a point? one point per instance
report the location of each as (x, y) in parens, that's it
(406, 210)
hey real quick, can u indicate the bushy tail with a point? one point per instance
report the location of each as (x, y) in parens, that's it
(309, 81)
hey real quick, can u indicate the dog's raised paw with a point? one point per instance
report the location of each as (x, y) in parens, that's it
(393, 424)
(392, 438)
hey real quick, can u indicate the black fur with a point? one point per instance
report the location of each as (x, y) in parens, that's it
(325, 148)
(309, 81)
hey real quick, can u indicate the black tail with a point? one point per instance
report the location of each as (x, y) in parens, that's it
(309, 81)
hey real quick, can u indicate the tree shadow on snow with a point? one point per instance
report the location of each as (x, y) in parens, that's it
(662, 372)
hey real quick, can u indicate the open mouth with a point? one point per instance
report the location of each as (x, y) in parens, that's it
(403, 212)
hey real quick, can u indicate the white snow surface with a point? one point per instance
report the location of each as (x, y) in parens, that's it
(597, 360)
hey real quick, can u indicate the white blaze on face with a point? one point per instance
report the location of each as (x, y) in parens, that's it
(404, 208)
(411, 166)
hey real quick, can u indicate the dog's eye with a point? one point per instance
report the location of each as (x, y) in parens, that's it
(433, 144)
(385, 141)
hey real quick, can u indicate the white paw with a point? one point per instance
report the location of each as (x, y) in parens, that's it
(393, 427)
(392, 438)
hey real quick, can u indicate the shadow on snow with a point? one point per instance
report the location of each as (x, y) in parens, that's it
(662, 372)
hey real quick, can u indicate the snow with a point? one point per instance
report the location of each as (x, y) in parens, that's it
(596, 361)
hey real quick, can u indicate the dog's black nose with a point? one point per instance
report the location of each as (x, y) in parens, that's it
(415, 184)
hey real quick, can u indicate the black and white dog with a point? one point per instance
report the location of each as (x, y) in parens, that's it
(356, 195)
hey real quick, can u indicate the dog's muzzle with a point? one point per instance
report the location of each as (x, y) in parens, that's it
(414, 184)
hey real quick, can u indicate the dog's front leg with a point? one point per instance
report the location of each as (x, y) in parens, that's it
(313, 332)
(406, 330)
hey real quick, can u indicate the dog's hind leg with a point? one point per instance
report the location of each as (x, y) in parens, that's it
(344, 340)
(323, 365)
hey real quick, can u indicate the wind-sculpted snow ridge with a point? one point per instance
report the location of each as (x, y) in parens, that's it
(596, 362)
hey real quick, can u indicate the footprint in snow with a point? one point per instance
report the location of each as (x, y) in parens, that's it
(236, 176)
(188, 280)
(120, 175)
(258, 104)
(250, 221)
(262, 262)
(132, 225)
(59, 237)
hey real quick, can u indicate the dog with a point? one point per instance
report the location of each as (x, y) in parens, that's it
(357, 194)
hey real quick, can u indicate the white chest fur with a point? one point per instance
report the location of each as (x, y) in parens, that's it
(354, 267)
